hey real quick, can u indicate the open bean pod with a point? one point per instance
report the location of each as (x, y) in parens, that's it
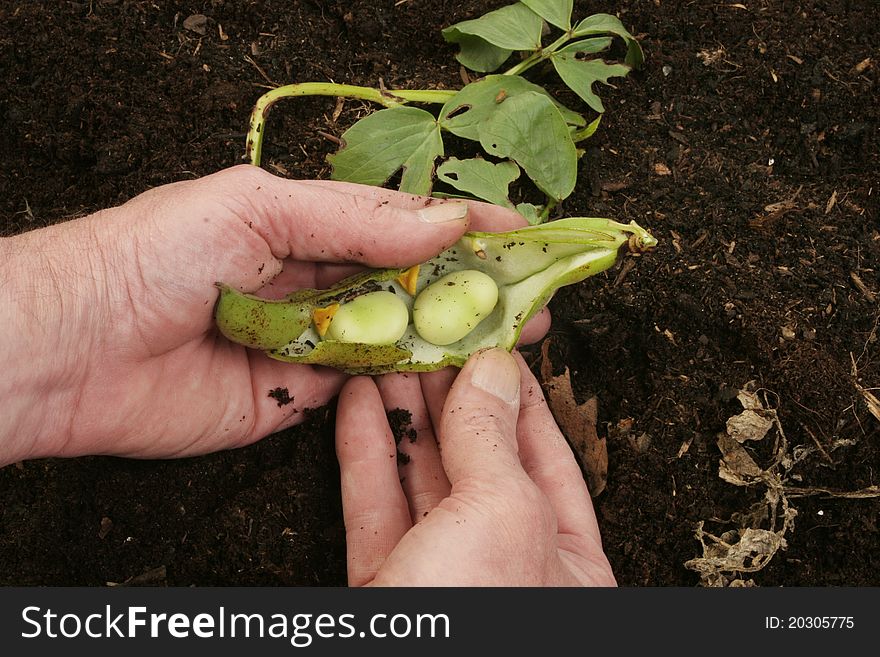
(477, 294)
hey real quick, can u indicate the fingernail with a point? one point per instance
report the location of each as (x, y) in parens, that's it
(496, 372)
(441, 213)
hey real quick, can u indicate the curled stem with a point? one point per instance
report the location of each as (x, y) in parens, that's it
(384, 97)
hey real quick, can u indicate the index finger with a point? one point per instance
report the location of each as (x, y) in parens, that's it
(329, 223)
(481, 216)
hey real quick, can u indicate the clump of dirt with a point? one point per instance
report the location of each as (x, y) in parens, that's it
(748, 144)
(400, 421)
(281, 395)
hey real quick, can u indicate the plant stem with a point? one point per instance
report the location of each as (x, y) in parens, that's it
(538, 56)
(548, 208)
(384, 97)
(438, 96)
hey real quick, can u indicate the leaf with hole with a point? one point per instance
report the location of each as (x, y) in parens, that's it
(483, 179)
(608, 24)
(580, 75)
(475, 104)
(529, 129)
(379, 145)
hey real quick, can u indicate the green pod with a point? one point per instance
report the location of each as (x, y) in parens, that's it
(258, 323)
(526, 265)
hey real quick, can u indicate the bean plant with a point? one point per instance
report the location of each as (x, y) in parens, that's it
(480, 292)
(518, 124)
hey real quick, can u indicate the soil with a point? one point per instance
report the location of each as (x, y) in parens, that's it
(748, 144)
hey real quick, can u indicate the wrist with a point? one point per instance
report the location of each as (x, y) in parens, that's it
(37, 390)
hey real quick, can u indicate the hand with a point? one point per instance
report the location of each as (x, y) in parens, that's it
(491, 495)
(108, 341)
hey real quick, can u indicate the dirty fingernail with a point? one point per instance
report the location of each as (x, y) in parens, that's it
(442, 213)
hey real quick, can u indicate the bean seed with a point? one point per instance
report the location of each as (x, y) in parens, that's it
(377, 318)
(452, 306)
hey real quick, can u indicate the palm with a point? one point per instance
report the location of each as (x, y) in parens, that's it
(149, 375)
(477, 556)
(181, 387)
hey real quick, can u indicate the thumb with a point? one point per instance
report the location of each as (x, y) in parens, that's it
(478, 424)
(337, 223)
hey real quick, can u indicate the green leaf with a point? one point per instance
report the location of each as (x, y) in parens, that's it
(529, 129)
(515, 27)
(555, 12)
(587, 132)
(471, 107)
(479, 55)
(483, 179)
(608, 24)
(377, 146)
(530, 212)
(580, 75)
(586, 46)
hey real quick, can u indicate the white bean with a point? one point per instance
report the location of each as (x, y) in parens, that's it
(452, 306)
(377, 318)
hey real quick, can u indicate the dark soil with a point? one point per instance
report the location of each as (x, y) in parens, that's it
(736, 110)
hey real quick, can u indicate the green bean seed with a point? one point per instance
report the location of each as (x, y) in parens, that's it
(452, 306)
(377, 318)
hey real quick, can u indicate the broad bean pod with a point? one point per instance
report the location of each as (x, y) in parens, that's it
(527, 266)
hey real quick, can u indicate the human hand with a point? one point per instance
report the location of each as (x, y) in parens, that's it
(109, 344)
(491, 495)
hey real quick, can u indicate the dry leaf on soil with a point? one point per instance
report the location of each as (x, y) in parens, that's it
(736, 466)
(754, 422)
(578, 424)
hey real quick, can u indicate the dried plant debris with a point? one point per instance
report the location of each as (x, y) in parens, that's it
(762, 529)
(154, 577)
(861, 494)
(734, 552)
(754, 422)
(871, 401)
(623, 430)
(737, 467)
(578, 424)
